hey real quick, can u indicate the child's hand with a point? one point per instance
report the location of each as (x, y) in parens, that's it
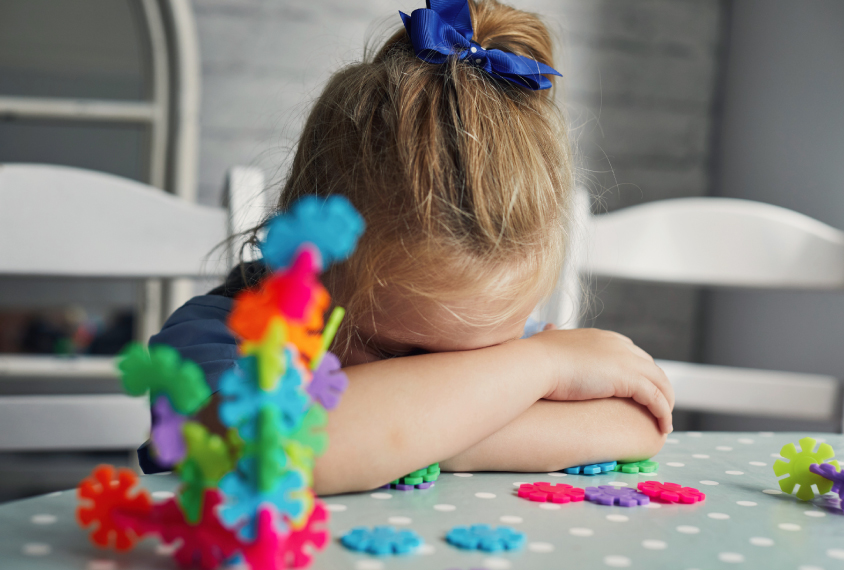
(587, 364)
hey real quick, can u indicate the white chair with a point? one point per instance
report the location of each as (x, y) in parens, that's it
(715, 242)
(68, 222)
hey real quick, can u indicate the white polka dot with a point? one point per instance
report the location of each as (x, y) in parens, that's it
(734, 472)
(675, 464)
(369, 565)
(789, 526)
(36, 549)
(473, 50)
(758, 463)
(463, 474)
(816, 514)
(694, 434)
(724, 448)
(162, 495)
(541, 547)
(820, 439)
(556, 474)
(836, 553)
(618, 518)
(761, 541)
(686, 529)
(700, 456)
(618, 484)
(718, 516)
(616, 561)
(672, 440)
(651, 544)
(550, 506)
(707, 482)
(43, 519)
(444, 508)
(54, 494)
(580, 531)
(772, 491)
(520, 483)
(777, 455)
(497, 563)
(399, 520)
(101, 565)
(648, 474)
(746, 503)
(485, 495)
(425, 549)
(766, 434)
(382, 496)
(166, 549)
(511, 519)
(731, 557)
(745, 441)
(808, 567)
(653, 506)
(335, 507)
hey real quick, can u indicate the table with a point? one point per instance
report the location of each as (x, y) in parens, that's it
(744, 522)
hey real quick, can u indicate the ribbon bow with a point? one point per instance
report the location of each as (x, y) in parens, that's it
(444, 29)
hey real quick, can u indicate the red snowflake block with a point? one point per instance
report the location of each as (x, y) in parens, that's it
(265, 553)
(297, 550)
(546, 492)
(103, 494)
(671, 492)
(206, 544)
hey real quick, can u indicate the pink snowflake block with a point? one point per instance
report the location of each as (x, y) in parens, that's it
(671, 492)
(546, 492)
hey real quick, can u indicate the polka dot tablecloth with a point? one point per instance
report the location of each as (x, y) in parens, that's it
(745, 521)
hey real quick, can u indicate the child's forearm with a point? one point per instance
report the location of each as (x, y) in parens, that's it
(401, 415)
(553, 435)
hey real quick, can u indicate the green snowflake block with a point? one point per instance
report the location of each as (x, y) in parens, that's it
(646, 466)
(798, 471)
(161, 370)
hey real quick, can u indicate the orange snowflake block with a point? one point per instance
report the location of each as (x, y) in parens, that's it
(102, 494)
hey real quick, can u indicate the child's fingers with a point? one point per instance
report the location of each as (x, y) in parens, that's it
(648, 394)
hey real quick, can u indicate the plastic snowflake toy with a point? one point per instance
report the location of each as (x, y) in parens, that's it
(559, 493)
(419, 479)
(620, 496)
(671, 492)
(830, 472)
(245, 494)
(647, 466)
(593, 469)
(798, 468)
(486, 538)
(381, 540)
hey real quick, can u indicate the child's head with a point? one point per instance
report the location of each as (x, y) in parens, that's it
(463, 180)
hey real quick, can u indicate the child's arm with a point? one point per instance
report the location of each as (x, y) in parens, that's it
(551, 436)
(402, 414)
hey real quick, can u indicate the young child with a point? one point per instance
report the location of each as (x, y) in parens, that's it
(449, 145)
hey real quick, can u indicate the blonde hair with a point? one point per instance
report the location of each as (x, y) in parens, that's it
(461, 177)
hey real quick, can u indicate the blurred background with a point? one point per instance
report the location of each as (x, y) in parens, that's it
(665, 99)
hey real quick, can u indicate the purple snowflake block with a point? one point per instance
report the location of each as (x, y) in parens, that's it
(166, 433)
(328, 382)
(621, 496)
(828, 471)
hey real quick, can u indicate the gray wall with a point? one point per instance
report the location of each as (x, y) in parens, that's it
(639, 82)
(782, 142)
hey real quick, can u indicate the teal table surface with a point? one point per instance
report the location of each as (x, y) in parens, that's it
(745, 521)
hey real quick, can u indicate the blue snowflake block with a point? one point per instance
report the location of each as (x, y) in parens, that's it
(486, 538)
(243, 498)
(381, 540)
(243, 398)
(331, 224)
(593, 469)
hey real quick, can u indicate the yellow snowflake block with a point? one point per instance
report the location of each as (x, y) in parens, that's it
(797, 468)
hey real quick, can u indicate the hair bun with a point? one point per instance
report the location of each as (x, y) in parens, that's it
(498, 26)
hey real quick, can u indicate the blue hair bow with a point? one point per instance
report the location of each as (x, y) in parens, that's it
(444, 29)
